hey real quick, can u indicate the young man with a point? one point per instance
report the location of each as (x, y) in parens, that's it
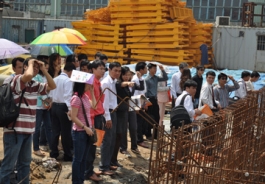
(207, 94)
(221, 91)
(84, 66)
(242, 91)
(82, 57)
(98, 68)
(73, 59)
(198, 79)
(190, 89)
(17, 146)
(97, 56)
(141, 124)
(175, 88)
(110, 103)
(151, 92)
(17, 66)
(103, 58)
(61, 125)
(253, 78)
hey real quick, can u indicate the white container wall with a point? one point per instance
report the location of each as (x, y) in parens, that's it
(233, 51)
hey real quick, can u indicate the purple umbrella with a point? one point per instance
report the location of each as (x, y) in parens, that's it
(10, 49)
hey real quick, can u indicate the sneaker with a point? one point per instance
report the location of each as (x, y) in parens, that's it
(136, 151)
(44, 148)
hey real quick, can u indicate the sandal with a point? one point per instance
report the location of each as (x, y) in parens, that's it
(39, 153)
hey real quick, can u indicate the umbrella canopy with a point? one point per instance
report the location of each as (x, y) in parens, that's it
(10, 49)
(57, 37)
(73, 31)
(63, 50)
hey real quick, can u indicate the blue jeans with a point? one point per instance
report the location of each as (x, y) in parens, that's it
(108, 144)
(42, 115)
(81, 145)
(16, 154)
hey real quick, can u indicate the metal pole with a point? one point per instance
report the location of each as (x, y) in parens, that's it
(1, 14)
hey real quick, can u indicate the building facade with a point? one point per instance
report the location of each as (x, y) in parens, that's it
(70, 9)
(207, 10)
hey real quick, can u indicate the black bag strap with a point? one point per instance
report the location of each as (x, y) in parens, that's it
(182, 100)
(84, 112)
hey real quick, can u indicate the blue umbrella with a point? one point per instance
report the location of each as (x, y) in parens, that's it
(44, 50)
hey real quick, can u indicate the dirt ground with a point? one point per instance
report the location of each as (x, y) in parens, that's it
(134, 170)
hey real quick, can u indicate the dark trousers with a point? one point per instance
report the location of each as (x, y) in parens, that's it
(133, 132)
(153, 112)
(141, 126)
(99, 122)
(61, 125)
(108, 143)
(122, 120)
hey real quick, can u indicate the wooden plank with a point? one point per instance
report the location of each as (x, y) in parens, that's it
(162, 59)
(154, 26)
(138, 21)
(156, 39)
(93, 45)
(127, 8)
(156, 14)
(175, 53)
(155, 45)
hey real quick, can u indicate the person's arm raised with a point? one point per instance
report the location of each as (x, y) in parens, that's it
(29, 73)
(50, 81)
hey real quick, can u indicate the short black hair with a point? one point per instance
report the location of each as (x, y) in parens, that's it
(103, 56)
(114, 64)
(221, 75)
(26, 62)
(255, 74)
(183, 65)
(98, 54)
(70, 58)
(245, 74)
(140, 66)
(69, 67)
(81, 57)
(124, 70)
(84, 63)
(210, 73)
(42, 57)
(190, 83)
(151, 65)
(198, 67)
(14, 61)
(95, 64)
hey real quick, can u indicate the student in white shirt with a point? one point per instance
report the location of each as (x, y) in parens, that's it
(61, 125)
(141, 123)
(242, 91)
(207, 93)
(110, 103)
(253, 78)
(73, 59)
(190, 89)
(175, 87)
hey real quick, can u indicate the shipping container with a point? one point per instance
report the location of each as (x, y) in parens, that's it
(239, 47)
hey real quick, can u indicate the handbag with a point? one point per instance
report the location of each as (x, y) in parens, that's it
(93, 139)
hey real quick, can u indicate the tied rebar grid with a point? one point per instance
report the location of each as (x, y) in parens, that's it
(228, 147)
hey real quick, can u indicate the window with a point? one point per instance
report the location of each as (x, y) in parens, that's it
(211, 13)
(261, 42)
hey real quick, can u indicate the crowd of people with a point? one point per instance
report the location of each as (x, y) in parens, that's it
(54, 109)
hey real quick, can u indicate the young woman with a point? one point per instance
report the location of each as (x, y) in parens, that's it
(54, 65)
(123, 90)
(132, 121)
(162, 99)
(184, 77)
(81, 132)
(42, 116)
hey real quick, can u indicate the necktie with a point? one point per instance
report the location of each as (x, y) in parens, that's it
(214, 104)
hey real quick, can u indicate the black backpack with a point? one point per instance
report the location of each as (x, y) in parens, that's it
(9, 111)
(179, 114)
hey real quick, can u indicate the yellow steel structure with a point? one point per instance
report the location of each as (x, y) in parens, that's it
(138, 30)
